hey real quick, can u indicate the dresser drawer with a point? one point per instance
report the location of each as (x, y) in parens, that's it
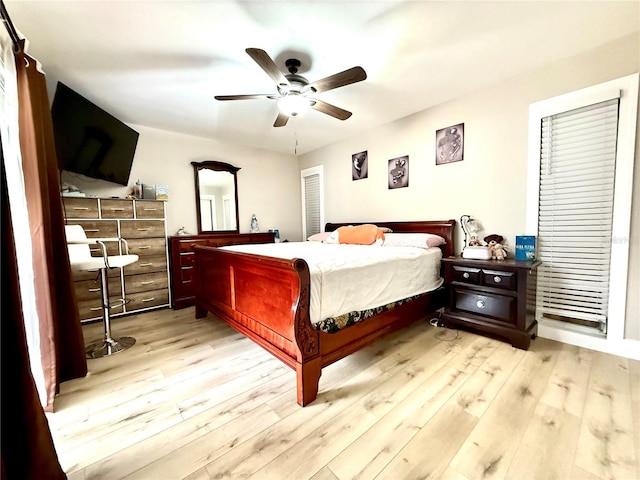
(93, 308)
(149, 209)
(94, 274)
(98, 228)
(142, 229)
(80, 207)
(116, 208)
(499, 307)
(145, 282)
(187, 246)
(147, 264)
(149, 299)
(147, 246)
(90, 289)
(467, 274)
(113, 248)
(187, 259)
(499, 279)
(186, 274)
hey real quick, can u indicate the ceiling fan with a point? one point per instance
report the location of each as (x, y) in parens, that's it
(295, 93)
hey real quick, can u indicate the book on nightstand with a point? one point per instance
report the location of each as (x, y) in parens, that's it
(525, 247)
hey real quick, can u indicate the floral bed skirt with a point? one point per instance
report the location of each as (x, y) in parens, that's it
(334, 324)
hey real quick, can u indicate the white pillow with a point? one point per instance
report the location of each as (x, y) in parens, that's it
(420, 240)
(319, 237)
(334, 238)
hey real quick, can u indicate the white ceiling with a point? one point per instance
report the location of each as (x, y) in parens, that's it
(160, 63)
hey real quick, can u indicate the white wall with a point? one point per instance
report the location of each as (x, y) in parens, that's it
(268, 183)
(490, 183)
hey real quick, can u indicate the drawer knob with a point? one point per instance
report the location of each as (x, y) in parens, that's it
(465, 275)
(481, 304)
(497, 279)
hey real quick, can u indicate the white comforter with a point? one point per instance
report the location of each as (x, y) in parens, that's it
(346, 278)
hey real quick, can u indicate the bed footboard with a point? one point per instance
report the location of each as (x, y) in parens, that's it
(267, 300)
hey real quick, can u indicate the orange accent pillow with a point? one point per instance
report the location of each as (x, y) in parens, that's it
(360, 234)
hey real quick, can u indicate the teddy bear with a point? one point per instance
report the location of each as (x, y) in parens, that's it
(494, 242)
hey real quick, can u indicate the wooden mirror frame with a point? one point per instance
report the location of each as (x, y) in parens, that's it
(218, 167)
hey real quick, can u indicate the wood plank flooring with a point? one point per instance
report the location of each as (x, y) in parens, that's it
(195, 400)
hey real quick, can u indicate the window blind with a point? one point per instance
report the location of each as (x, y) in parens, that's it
(575, 213)
(312, 204)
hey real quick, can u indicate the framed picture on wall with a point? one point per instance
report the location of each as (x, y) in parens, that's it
(450, 144)
(359, 166)
(399, 172)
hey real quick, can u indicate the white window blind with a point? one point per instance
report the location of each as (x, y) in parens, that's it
(575, 213)
(312, 203)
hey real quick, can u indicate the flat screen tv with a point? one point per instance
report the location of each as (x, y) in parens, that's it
(90, 141)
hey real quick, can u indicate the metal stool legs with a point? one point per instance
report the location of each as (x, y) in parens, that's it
(110, 345)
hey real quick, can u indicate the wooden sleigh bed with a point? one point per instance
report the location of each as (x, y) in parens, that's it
(267, 299)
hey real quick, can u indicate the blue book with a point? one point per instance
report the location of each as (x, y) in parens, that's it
(525, 247)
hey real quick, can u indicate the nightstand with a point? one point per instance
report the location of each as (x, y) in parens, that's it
(497, 297)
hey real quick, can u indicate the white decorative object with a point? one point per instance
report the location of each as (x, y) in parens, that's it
(472, 247)
(477, 252)
(254, 224)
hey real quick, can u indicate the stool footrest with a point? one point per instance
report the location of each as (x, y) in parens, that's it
(109, 346)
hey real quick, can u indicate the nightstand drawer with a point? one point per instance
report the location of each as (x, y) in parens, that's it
(467, 274)
(495, 306)
(500, 279)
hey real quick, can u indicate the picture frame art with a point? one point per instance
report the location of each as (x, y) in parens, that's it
(359, 165)
(450, 144)
(399, 172)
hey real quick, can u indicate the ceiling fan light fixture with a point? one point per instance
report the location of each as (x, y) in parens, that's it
(293, 104)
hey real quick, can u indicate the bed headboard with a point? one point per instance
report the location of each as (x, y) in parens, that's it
(444, 228)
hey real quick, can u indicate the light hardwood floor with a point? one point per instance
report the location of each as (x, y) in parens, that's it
(195, 400)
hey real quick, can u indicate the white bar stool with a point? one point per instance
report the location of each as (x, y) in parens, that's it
(81, 260)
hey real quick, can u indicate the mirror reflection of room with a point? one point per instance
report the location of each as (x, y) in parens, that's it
(217, 200)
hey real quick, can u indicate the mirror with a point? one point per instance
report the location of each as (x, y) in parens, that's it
(216, 196)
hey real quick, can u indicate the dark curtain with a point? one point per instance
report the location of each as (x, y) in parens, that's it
(62, 343)
(27, 448)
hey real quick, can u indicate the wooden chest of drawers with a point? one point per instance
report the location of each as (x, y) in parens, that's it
(183, 257)
(496, 297)
(144, 284)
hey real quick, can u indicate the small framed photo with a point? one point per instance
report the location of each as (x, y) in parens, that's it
(450, 144)
(359, 166)
(399, 172)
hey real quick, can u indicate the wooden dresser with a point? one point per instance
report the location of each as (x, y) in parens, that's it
(145, 283)
(182, 259)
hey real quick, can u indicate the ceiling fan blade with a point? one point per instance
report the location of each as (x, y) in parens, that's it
(332, 110)
(263, 59)
(243, 97)
(353, 75)
(281, 120)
